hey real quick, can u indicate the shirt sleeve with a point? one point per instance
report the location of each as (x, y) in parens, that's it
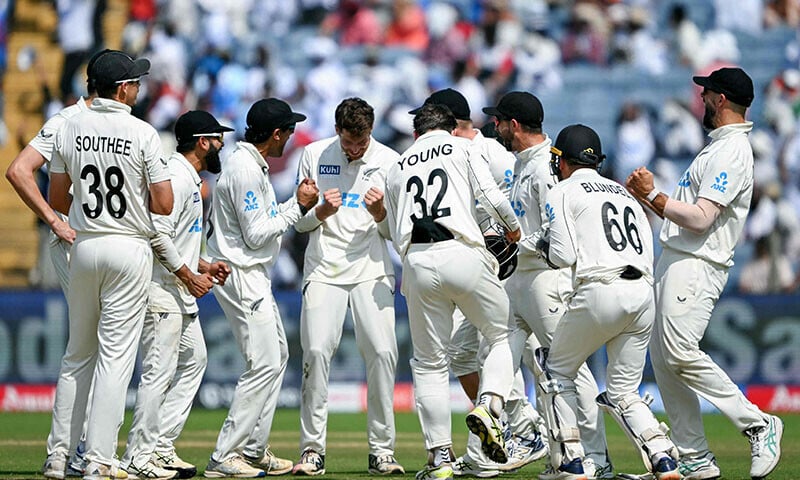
(486, 192)
(309, 221)
(155, 164)
(260, 223)
(563, 251)
(44, 141)
(57, 163)
(539, 188)
(724, 177)
(165, 225)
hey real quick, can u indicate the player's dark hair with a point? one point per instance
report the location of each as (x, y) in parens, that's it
(355, 115)
(107, 91)
(434, 117)
(530, 129)
(187, 146)
(256, 137)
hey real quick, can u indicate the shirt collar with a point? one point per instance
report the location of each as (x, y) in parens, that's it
(434, 133)
(253, 151)
(532, 152)
(108, 105)
(730, 130)
(184, 162)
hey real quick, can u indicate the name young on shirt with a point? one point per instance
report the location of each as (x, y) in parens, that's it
(119, 146)
(594, 187)
(422, 157)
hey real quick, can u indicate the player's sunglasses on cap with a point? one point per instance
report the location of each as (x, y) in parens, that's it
(198, 123)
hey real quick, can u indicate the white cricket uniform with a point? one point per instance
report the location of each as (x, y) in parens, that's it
(172, 344)
(434, 185)
(347, 263)
(43, 143)
(690, 276)
(112, 158)
(59, 438)
(245, 231)
(539, 294)
(599, 230)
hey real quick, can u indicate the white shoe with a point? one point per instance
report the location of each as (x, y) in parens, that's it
(235, 467)
(99, 471)
(311, 463)
(699, 467)
(523, 451)
(149, 469)
(595, 472)
(429, 472)
(384, 465)
(171, 461)
(55, 466)
(271, 464)
(765, 447)
(465, 467)
(488, 428)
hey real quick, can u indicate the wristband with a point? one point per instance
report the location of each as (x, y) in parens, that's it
(652, 195)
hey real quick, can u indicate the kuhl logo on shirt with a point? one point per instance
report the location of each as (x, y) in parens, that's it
(250, 202)
(196, 227)
(720, 182)
(329, 169)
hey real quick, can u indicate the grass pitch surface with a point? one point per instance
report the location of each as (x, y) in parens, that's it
(23, 435)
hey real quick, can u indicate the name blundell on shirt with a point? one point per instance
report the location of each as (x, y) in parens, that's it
(87, 143)
(422, 157)
(596, 187)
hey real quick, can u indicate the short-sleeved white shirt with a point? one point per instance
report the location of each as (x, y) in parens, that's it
(597, 228)
(346, 247)
(723, 173)
(185, 226)
(112, 158)
(441, 177)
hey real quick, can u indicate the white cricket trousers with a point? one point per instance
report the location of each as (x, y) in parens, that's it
(173, 362)
(687, 289)
(107, 300)
(539, 300)
(321, 321)
(436, 277)
(246, 298)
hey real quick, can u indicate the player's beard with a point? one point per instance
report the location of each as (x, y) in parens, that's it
(507, 139)
(213, 164)
(708, 117)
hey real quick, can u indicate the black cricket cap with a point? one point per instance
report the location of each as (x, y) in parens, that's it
(734, 83)
(197, 123)
(451, 99)
(91, 82)
(114, 66)
(268, 114)
(580, 144)
(521, 106)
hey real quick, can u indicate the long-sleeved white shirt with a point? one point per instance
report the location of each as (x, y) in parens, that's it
(112, 158)
(346, 247)
(501, 165)
(597, 228)
(440, 177)
(533, 180)
(184, 228)
(246, 221)
(723, 173)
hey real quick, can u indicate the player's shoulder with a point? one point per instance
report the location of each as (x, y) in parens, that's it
(383, 152)
(316, 148)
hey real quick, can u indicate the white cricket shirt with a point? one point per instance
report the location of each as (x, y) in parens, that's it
(723, 173)
(346, 247)
(597, 228)
(185, 227)
(246, 221)
(532, 181)
(501, 165)
(440, 176)
(112, 158)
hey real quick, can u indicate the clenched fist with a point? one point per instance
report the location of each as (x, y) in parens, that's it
(331, 201)
(374, 202)
(307, 193)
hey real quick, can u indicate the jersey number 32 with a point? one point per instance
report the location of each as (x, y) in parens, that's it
(419, 188)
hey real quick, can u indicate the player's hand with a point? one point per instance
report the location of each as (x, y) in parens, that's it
(374, 202)
(513, 237)
(331, 201)
(307, 193)
(640, 182)
(197, 284)
(219, 272)
(63, 231)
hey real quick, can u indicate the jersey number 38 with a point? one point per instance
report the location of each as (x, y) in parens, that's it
(111, 182)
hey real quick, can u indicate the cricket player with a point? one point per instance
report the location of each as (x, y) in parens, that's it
(172, 344)
(245, 231)
(431, 193)
(112, 162)
(703, 220)
(464, 352)
(538, 293)
(347, 263)
(601, 234)
(63, 457)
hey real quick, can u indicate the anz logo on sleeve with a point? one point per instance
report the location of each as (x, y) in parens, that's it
(720, 182)
(250, 201)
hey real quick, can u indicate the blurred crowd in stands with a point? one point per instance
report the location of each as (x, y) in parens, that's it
(223, 55)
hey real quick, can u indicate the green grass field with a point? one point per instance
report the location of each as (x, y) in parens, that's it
(22, 444)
